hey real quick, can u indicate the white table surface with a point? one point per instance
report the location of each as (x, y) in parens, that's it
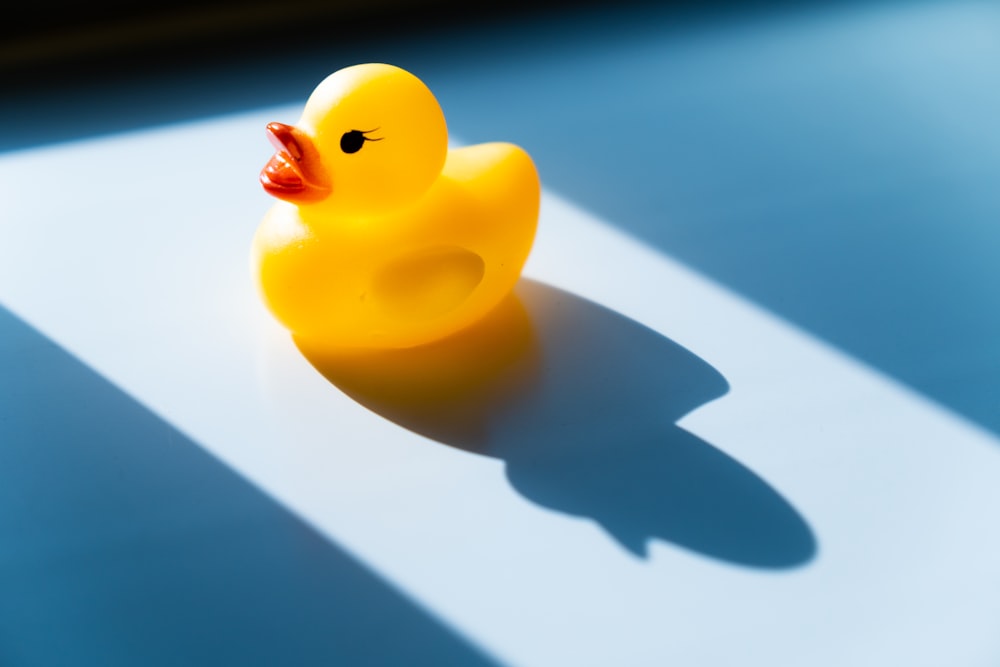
(673, 473)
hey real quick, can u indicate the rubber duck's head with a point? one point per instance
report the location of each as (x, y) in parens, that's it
(372, 138)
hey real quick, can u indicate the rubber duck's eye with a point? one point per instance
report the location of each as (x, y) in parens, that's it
(351, 142)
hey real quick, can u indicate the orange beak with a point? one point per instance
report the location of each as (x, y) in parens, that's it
(295, 173)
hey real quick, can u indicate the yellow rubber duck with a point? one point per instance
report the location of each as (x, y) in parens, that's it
(385, 238)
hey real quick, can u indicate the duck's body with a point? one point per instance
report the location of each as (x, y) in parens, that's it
(413, 274)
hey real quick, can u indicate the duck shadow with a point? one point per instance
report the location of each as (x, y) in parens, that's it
(581, 404)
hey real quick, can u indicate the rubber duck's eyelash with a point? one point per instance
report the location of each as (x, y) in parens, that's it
(352, 141)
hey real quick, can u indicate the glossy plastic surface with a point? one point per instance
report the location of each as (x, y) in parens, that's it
(384, 237)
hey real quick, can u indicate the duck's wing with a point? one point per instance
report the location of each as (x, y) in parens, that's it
(427, 283)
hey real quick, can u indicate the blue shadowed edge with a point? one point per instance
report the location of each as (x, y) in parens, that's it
(122, 542)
